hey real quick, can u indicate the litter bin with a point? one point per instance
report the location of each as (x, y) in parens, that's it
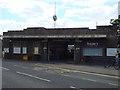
(25, 57)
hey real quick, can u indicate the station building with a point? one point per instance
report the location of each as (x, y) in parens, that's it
(61, 44)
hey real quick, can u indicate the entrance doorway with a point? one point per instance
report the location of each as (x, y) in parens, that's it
(61, 50)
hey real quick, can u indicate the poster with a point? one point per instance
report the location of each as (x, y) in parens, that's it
(36, 50)
(6, 50)
(24, 50)
(16, 50)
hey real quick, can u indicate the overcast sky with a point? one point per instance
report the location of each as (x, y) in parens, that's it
(20, 14)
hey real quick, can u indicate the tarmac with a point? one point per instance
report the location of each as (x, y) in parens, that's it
(100, 69)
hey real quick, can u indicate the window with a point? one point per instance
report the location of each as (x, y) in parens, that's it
(17, 47)
(92, 51)
(24, 50)
(16, 50)
(111, 51)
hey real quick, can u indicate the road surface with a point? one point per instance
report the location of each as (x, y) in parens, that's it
(26, 74)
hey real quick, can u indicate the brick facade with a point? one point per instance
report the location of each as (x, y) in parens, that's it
(44, 36)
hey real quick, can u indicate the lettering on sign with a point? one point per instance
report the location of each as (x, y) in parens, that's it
(93, 44)
(77, 48)
(44, 47)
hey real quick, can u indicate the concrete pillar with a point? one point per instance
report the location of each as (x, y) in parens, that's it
(77, 51)
(30, 50)
(49, 52)
(10, 50)
(44, 55)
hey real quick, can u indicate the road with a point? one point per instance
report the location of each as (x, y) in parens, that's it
(26, 74)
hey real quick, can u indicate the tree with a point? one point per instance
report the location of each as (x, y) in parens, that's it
(117, 23)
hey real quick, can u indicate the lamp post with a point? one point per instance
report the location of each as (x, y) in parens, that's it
(55, 16)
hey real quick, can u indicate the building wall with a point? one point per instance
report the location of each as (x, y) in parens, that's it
(42, 44)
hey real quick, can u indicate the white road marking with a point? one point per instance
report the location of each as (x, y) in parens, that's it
(15, 65)
(113, 84)
(21, 66)
(66, 75)
(24, 67)
(89, 79)
(33, 76)
(72, 87)
(4, 68)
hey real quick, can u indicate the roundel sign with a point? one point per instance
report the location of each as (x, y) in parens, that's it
(54, 17)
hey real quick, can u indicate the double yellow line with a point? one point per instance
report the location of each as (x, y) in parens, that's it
(68, 70)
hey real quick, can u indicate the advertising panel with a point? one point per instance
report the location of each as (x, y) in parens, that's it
(36, 50)
(16, 50)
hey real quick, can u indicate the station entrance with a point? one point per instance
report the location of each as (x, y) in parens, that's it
(61, 50)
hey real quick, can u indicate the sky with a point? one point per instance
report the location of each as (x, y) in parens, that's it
(20, 14)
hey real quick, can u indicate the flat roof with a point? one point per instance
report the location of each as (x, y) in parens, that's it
(56, 36)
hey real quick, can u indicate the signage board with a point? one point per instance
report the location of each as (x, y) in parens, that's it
(16, 50)
(93, 44)
(24, 50)
(111, 51)
(36, 50)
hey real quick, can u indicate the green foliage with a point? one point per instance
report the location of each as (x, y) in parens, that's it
(116, 22)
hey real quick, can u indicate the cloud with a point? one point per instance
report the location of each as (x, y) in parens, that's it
(77, 13)
(95, 13)
(25, 8)
(92, 3)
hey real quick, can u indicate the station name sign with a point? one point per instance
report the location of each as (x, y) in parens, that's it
(93, 44)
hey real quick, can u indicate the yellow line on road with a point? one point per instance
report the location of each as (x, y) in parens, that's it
(65, 75)
(91, 73)
(68, 70)
(91, 80)
(38, 68)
